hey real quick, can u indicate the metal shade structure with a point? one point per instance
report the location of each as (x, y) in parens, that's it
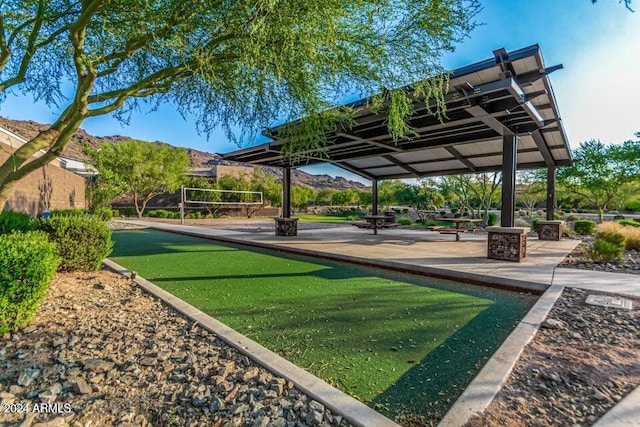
(501, 115)
(509, 94)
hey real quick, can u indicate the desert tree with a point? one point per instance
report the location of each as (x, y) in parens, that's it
(241, 64)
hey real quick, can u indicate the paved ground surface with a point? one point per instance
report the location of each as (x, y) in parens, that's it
(428, 250)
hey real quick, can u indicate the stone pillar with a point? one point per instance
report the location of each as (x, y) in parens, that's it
(549, 230)
(286, 226)
(507, 243)
(509, 155)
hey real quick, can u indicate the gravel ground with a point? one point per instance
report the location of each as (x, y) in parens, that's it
(579, 258)
(582, 361)
(101, 352)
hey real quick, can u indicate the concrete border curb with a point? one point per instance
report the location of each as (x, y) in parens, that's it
(625, 414)
(471, 278)
(486, 385)
(354, 411)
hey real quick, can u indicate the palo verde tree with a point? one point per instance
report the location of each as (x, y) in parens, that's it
(238, 64)
(144, 169)
(601, 173)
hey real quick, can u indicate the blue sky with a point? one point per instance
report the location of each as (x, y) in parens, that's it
(598, 91)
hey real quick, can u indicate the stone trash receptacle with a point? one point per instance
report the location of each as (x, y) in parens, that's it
(549, 230)
(507, 243)
(286, 226)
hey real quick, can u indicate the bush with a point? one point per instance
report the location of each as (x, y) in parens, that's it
(28, 262)
(631, 234)
(454, 210)
(540, 212)
(83, 243)
(115, 213)
(104, 214)
(584, 227)
(68, 212)
(128, 212)
(613, 237)
(519, 222)
(604, 251)
(573, 218)
(404, 221)
(522, 212)
(16, 221)
(637, 220)
(443, 213)
(629, 223)
(558, 215)
(617, 217)
(493, 219)
(534, 224)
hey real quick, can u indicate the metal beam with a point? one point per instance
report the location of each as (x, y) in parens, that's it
(541, 144)
(355, 170)
(286, 192)
(551, 193)
(368, 141)
(374, 197)
(402, 165)
(461, 158)
(509, 150)
(534, 76)
(495, 124)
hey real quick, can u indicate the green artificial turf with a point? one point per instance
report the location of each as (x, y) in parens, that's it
(330, 218)
(407, 345)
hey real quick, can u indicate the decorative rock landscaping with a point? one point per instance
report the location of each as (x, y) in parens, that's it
(102, 352)
(579, 258)
(584, 360)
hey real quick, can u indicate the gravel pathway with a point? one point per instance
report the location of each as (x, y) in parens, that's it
(101, 352)
(582, 361)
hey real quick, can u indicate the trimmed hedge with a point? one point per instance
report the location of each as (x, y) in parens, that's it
(28, 262)
(16, 221)
(83, 242)
(631, 223)
(584, 227)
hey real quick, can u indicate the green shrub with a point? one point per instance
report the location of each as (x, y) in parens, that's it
(105, 214)
(68, 212)
(16, 221)
(197, 215)
(558, 215)
(128, 212)
(534, 224)
(584, 227)
(443, 213)
(573, 218)
(614, 237)
(83, 243)
(28, 262)
(617, 217)
(403, 220)
(636, 220)
(493, 219)
(520, 222)
(629, 222)
(604, 251)
(176, 215)
(115, 213)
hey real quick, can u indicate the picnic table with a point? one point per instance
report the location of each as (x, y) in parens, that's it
(457, 222)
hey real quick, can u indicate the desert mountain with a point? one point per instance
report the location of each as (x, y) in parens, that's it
(28, 129)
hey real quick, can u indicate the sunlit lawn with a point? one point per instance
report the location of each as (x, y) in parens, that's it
(402, 343)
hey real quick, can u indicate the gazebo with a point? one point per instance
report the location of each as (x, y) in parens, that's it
(501, 115)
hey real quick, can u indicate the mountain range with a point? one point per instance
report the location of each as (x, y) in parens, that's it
(29, 129)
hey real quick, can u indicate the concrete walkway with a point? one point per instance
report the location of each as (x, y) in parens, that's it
(427, 252)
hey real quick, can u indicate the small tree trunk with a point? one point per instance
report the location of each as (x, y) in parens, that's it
(5, 192)
(135, 204)
(600, 214)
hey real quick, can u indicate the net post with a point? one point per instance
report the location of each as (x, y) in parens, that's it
(182, 204)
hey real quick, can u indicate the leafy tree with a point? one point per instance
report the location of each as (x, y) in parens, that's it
(477, 190)
(300, 197)
(531, 187)
(103, 189)
(389, 192)
(239, 64)
(267, 184)
(210, 198)
(324, 195)
(345, 197)
(364, 198)
(145, 169)
(422, 197)
(602, 172)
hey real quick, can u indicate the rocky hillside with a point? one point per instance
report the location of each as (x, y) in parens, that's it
(29, 129)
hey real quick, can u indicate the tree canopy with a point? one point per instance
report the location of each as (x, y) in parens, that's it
(236, 64)
(145, 169)
(602, 172)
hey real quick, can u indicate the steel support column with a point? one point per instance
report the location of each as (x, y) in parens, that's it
(286, 192)
(509, 157)
(551, 192)
(374, 197)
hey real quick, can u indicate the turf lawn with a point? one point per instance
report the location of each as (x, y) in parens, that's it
(330, 218)
(406, 345)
